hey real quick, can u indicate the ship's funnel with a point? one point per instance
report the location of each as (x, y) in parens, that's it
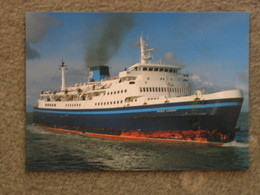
(97, 73)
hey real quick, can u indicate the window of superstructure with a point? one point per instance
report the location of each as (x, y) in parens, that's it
(122, 91)
(114, 92)
(170, 70)
(153, 89)
(150, 89)
(125, 90)
(156, 89)
(156, 69)
(104, 103)
(161, 69)
(140, 89)
(144, 69)
(147, 89)
(150, 69)
(144, 89)
(111, 102)
(114, 102)
(166, 70)
(117, 102)
(118, 91)
(121, 101)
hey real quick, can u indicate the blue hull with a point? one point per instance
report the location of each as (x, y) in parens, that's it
(220, 115)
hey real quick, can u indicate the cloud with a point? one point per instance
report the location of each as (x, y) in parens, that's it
(37, 26)
(169, 58)
(31, 53)
(202, 83)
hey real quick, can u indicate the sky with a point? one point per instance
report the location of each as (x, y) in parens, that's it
(213, 48)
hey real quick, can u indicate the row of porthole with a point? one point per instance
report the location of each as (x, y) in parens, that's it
(116, 92)
(165, 89)
(72, 105)
(53, 105)
(109, 103)
(153, 98)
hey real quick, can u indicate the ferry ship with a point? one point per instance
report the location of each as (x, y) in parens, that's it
(147, 101)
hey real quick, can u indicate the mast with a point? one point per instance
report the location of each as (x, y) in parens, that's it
(143, 50)
(142, 61)
(62, 68)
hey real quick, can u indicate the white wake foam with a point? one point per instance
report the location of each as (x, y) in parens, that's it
(236, 144)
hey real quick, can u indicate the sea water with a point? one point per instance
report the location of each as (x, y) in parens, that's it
(47, 150)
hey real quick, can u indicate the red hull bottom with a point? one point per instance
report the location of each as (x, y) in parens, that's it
(189, 136)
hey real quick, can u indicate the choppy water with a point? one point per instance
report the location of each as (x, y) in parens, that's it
(46, 150)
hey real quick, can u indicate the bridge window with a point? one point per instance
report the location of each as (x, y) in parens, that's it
(161, 70)
(156, 69)
(144, 69)
(150, 69)
(165, 70)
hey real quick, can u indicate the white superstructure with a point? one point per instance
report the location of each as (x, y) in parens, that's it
(142, 84)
